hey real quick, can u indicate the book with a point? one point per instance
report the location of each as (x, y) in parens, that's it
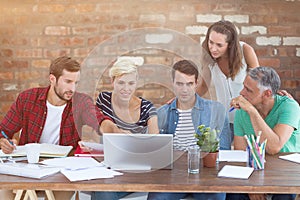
(47, 150)
(94, 153)
(230, 171)
(27, 170)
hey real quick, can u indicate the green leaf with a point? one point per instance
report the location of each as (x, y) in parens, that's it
(207, 140)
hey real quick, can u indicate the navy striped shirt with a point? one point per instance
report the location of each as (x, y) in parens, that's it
(147, 111)
(184, 133)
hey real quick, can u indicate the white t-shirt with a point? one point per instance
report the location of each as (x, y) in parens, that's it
(51, 129)
(226, 88)
(184, 133)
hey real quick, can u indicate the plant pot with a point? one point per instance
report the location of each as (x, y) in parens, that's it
(210, 159)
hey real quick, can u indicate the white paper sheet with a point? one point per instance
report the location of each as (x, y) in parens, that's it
(233, 155)
(73, 163)
(295, 157)
(89, 173)
(230, 171)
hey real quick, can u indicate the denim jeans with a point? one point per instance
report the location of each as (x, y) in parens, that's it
(108, 195)
(178, 196)
(230, 196)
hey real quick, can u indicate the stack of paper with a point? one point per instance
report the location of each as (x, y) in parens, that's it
(231, 171)
(89, 173)
(27, 170)
(47, 150)
(81, 168)
(72, 163)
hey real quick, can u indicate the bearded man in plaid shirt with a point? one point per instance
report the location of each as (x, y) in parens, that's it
(53, 114)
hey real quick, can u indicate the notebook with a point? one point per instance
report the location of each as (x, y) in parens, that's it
(47, 150)
(94, 153)
(231, 171)
(138, 151)
(27, 170)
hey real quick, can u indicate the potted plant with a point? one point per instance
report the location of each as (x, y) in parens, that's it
(209, 143)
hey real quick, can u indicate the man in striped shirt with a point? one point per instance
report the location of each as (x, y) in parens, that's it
(188, 110)
(184, 114)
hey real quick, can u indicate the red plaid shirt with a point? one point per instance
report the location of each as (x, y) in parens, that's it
(29, 113)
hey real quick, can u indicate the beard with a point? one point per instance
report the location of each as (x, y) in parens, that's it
(61, 96)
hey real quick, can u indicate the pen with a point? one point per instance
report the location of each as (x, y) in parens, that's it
(255, 156)
(4, 135)
(231, 109)
(258, 137)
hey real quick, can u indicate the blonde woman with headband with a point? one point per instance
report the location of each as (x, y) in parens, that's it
(130, 113)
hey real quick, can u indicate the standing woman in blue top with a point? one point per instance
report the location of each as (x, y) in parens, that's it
(231, 61)
(130, 113)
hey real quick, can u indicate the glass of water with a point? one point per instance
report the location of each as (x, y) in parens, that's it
(194, 159)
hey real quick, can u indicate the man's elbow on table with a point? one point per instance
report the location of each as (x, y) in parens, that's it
(239, 143)
(273, 150)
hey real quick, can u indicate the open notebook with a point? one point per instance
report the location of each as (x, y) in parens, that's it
(47, 150)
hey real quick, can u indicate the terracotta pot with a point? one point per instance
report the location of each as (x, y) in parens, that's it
(210, 159)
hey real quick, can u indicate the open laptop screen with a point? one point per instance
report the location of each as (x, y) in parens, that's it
(138, 151)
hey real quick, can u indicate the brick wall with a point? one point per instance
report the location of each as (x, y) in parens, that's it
(32, 33)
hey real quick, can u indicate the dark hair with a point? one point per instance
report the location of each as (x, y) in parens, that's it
(234, 49)
(59, 64)
(186, 67)
(266, 77)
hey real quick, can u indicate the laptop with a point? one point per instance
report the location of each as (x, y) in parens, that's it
(138, 151)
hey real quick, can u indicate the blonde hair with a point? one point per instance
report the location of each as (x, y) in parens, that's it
(122, 66)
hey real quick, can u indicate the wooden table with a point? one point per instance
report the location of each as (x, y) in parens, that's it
(279, 176)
